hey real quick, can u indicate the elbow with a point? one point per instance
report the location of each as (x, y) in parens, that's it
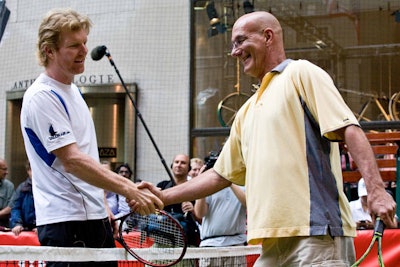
(349, 132)
(70, 157)
(70, 164)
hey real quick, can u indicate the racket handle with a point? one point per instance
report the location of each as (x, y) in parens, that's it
(379, 227)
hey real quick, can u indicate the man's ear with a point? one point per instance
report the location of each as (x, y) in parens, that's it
(49, 52)
(268, 35)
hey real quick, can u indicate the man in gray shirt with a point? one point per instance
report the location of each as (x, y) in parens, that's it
(6, 192)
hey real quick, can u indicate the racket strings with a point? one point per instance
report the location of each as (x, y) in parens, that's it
(156, 238)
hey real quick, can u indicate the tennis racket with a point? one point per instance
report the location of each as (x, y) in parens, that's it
(377, 237)
(155, 240)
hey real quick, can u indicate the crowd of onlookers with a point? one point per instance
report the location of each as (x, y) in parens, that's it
(214, 221)
(16, 206)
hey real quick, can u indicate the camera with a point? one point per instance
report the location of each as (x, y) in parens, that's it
(210, 160)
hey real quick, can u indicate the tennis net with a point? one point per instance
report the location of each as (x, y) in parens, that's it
(37, 256)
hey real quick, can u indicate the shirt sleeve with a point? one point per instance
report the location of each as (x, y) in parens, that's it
(50, 121)
(230, 163)
(323, 99)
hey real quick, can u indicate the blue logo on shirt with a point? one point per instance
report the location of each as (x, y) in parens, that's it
(54, 134)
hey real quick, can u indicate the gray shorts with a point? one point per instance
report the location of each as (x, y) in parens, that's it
(315, 251)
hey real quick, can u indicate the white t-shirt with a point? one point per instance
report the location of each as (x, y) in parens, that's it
(225, 222)
(54, 115)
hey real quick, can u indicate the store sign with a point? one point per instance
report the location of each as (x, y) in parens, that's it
(95, 79)
(107, 152)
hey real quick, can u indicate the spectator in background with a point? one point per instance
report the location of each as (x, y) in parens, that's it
(124, 170)
(195, 166)
(223, 217)
(22, 206)
(359, 208)
(183, 211)
(6, 192)
(116, 202)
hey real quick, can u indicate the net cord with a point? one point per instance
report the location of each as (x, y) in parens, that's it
(39, 253)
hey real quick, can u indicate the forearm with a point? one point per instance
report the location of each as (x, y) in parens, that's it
(362, 154)
(203, 185)
(380, 203)
(5, 212)
(92, 172)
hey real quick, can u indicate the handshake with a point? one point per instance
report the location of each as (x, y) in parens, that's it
(146, 199)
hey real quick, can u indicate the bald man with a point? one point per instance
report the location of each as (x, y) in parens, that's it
(283, 148)
(6, 192)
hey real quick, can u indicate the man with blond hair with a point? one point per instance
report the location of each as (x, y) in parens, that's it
(195, 166)
(60, 141)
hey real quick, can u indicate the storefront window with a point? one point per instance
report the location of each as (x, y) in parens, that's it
(356, 42)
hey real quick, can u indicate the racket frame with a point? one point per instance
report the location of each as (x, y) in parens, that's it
(377, 237)
(130, 250)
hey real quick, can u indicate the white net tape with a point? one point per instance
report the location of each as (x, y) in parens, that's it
(39, 253)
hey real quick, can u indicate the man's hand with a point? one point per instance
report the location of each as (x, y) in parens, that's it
(114, 225)
(187, 206)
(146, 200)
(111, 217)
(17, 229)
(383, 205)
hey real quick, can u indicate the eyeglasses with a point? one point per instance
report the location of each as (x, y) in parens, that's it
(238, 42)
(240, 39)
(124, 172)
